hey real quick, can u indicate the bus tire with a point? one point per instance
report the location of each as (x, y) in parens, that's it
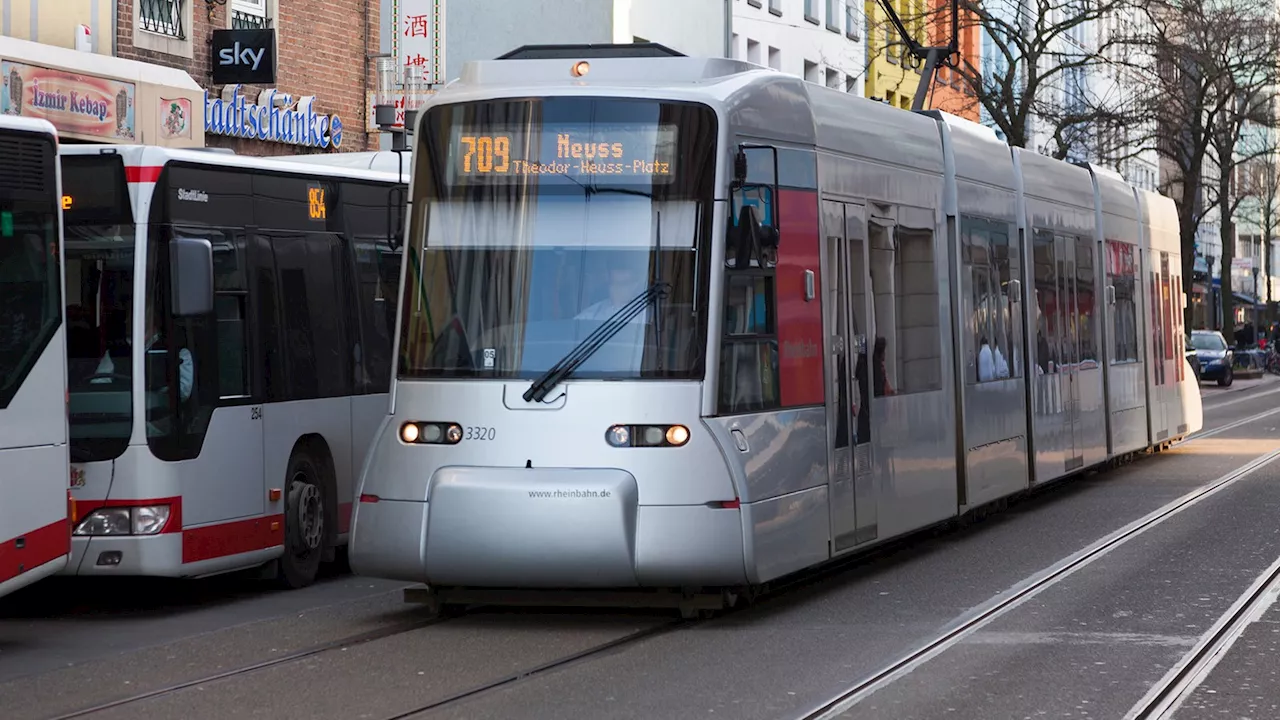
(304, 520)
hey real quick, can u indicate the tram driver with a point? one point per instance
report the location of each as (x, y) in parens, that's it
(624, 285)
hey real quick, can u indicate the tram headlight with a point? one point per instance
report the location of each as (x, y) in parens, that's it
(647, 435)
(430, 433)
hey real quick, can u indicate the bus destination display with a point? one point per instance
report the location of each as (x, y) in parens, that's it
(630, 153)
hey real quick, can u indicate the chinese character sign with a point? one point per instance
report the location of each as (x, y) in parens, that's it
(418, 37)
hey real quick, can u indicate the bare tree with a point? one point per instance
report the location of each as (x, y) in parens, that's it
(1216, 73)
(1260, 185)
(1042, 50)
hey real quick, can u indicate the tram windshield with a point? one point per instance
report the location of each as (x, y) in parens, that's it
(537, 219)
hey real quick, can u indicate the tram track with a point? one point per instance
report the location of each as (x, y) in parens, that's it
(1167, 695)
(1032, 586)
(385, 633)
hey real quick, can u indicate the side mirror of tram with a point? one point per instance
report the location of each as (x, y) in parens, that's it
(191, 275)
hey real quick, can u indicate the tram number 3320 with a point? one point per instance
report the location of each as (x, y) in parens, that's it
(478, 433)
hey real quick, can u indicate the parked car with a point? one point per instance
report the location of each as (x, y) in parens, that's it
(1216, 357)
(1193, 359)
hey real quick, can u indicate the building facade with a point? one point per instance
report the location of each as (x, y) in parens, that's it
(56, 64)
(319, 51)
(819, 40)
(893, 74)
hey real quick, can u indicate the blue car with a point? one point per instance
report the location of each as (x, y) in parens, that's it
(1215, 355)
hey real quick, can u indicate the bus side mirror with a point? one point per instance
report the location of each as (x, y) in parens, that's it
(191, 275)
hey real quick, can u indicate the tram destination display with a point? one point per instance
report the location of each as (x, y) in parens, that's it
(616, 154)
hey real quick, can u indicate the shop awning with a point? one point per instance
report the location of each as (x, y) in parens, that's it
(100, 98)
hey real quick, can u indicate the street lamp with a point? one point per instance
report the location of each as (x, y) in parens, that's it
(389, 85)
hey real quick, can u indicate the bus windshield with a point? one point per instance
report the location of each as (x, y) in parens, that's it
(99, 247)
(535, 220)
(30, 308)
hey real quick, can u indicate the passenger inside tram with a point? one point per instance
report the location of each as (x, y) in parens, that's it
(991, 362)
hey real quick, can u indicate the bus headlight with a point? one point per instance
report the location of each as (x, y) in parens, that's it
(647, 435)
(150, 519)
(107, 521)
(430, 433)
(139, 520)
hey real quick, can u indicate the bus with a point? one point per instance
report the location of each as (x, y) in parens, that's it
(229, 327)
(34, 533)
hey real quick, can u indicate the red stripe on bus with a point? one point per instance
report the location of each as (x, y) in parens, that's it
(142, 173)
(39, 546)
(233, 538)
(344, 517)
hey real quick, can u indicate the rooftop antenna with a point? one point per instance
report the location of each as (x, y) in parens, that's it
(932, 57)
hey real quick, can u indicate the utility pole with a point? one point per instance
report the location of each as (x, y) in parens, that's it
(932, 57)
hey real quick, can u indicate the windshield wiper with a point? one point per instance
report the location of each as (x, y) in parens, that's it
(593, 342)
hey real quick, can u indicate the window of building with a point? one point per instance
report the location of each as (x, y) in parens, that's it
(250, 14)
(833, 79)
(811, 72)
(811, 11)
(852, 22)
(833, 15)
(775, 58)
(775, 7)
(753, 51)
(162, 17)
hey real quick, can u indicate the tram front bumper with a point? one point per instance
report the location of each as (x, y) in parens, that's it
(544, 528)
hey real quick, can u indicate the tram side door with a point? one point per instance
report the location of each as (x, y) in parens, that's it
(1069, 339)
(852, 496)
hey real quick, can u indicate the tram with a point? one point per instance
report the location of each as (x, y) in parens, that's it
(229, 355)
(694, 324)
(35, 538)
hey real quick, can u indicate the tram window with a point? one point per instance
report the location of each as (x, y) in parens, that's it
(749, 307)
(749, 376)
(1085, 300)
(994, 346)
(1048, 316)
(905, 297)
(1122, 275)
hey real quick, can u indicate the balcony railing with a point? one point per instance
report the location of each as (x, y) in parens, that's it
(163, 17)
(248, 21)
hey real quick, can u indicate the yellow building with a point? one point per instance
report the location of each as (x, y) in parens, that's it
(892, 73)
(62, 23)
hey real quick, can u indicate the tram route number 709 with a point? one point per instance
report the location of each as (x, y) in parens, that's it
(472, 432)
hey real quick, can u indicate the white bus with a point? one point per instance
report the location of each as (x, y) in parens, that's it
(34, 536)
(229, 354)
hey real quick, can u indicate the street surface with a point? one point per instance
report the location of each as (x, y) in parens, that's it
(1089, 644)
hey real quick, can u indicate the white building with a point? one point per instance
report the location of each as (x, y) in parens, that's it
(819, 40)
(485, 29)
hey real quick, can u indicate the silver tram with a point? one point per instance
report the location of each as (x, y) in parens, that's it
(693, 324)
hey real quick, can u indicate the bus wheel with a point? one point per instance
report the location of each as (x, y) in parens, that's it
(303, 522)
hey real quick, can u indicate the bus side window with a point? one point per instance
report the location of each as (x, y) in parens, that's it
(231, 298)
